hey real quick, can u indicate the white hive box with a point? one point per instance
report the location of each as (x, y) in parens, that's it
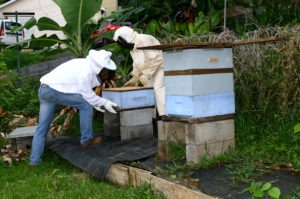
(209, 58)
(199, 82)
(193, 85)
(130, 97)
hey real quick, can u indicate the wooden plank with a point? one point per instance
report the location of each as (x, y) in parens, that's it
(198, 120)
(126, 175)
(126, 88)
(182, 45)
(198, 71)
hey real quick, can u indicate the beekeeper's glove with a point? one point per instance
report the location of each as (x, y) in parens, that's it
(109, 106)
(99, 108)
(144, 79)
(134, 81)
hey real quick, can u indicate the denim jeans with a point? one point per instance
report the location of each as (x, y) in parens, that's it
(49, 99)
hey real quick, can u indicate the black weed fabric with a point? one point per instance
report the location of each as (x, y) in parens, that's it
(96, 159)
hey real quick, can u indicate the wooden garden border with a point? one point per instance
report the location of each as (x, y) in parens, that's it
(126, 175)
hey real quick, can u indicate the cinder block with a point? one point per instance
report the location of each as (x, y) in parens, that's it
(171, 131)
(21, 137)
(111, 126)
(136, 117)
(209, 132)
(113, 123)
(129, 132)
(163, 151)
(194, 152)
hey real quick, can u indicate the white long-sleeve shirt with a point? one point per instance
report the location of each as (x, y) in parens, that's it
(76, 76)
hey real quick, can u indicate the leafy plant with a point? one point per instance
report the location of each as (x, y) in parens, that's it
(77, 29)
(260, 190)
(297, 128)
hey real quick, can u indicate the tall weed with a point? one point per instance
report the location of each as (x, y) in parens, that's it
(267, 75)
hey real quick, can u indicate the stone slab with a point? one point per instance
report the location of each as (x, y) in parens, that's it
(22, 132)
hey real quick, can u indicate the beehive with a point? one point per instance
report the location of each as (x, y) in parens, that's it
(135, 116)
(199, 82)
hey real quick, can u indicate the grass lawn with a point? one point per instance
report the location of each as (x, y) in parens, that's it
(56, 178)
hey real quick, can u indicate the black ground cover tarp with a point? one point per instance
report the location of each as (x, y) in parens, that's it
(97, 159)
(217, 181)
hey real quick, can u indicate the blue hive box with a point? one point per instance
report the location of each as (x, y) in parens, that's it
(130, 97)
(200, 106)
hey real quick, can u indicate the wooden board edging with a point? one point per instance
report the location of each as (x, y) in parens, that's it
(126, 175)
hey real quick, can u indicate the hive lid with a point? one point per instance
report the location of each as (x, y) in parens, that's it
(123, 89)
(183, 45)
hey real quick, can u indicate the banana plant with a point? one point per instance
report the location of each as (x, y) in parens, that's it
(77, 30)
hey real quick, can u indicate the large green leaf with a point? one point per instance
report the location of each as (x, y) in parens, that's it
(45, 23)
(274, 192)
(78, 12)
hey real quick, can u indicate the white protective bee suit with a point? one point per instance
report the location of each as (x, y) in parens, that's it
(147, 64)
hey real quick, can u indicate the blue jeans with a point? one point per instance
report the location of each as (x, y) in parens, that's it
(49, 99)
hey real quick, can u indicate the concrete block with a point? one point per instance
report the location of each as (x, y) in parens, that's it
(171, 131)
(127, 118)
(21, 137)
(129, 132)
(194, 152)
(136, 117)
(209, 132)
(163, 151)
(22, 142)
(111, 126)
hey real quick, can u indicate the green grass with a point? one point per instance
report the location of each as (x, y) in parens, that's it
(56, 178)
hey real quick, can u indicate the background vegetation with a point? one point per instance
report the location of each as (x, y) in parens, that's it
(266, 79)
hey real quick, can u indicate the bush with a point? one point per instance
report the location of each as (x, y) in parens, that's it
(10, 58)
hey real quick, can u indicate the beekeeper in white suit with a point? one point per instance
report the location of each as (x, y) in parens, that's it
(71, 84)
(147, 64)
